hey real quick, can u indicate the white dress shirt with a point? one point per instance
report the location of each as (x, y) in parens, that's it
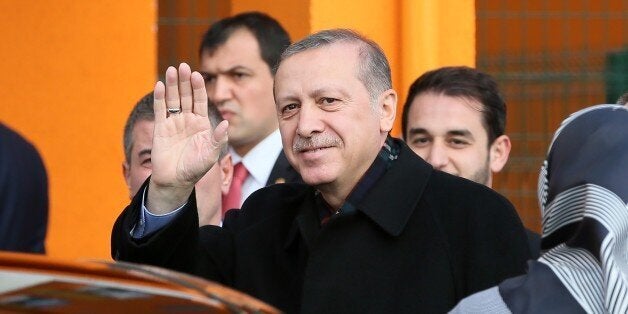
(259, 162)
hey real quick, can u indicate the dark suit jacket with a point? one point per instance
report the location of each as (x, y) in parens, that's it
(534, 243)
(420, 241)
(23, 195)
(283, 172)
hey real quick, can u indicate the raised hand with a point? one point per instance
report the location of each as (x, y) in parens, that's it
(184, 146)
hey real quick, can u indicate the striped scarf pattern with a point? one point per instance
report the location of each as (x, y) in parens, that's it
(586, 213)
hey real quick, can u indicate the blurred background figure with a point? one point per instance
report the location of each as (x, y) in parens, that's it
(238, 55)
(23, 195)
(623, 100)
(455, 119)
(137, 166)
(583, 192)
(138, 142)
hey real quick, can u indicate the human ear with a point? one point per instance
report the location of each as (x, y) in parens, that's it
(226, 173)
(387, 106)
(126, 172)
(499, 152)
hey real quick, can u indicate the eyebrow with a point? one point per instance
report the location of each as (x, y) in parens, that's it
(285, 98)
(325, 90)
(313, 94)
(461, 132)
(229, 70)
(415, 131)
(143, 152)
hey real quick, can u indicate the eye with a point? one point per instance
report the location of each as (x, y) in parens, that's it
(238, 75)
(289, 110)
(208, 78)
(328, 100)
(146, 163)
(458, 143)
(420, 141)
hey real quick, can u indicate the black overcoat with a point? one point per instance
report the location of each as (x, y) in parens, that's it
(419, 242)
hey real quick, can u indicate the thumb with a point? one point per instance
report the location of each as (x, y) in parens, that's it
(220, 136)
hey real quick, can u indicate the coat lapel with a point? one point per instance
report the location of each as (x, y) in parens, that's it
(392, 200)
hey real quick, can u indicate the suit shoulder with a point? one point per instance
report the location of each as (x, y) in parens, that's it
(283, 172)
(459, 202)
(460, 190)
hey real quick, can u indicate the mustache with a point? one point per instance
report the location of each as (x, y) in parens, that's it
(319, 141)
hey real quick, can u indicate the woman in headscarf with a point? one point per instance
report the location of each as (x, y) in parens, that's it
(583, 192)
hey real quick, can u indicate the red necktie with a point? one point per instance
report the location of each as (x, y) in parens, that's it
(233, 198)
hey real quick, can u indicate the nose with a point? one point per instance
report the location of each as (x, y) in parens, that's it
(310, 120)
(219, 90)
(437, 156)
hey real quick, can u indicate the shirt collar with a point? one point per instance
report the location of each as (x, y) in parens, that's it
(260, 160)
(387, 155)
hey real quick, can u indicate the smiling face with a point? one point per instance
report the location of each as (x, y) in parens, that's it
(330, 131)
(448, 133)
(240, 84)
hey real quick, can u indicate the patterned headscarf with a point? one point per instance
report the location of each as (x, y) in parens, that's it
(583, 196)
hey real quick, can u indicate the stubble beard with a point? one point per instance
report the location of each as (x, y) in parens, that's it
(481, 175)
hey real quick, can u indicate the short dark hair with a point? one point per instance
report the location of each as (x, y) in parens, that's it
(271, 37)
(143, 110)
(466, 82)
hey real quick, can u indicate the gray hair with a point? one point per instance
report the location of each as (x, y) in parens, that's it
(373, 67)
(143, 111)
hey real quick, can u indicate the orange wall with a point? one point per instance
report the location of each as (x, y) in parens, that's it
(294, 15)
(436, 34)
(72, 71)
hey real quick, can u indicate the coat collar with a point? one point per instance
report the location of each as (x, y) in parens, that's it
(392, 200)
(389, 203)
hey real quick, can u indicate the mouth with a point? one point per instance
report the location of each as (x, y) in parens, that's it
(312, 149)
(315, 148)
(226, 114)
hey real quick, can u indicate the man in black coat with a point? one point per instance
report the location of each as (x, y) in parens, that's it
(23, 195)
(376, 229)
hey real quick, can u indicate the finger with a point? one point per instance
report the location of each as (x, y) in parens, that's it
(220, 136)
(159, 103)
(200, 94)
(185, 88)
(172, 89)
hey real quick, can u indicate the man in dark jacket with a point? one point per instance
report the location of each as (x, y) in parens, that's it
(376, 229)
(23, 195)
(455, 119)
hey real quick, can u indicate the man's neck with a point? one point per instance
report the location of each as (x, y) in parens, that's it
(243, 149)
(336, 193)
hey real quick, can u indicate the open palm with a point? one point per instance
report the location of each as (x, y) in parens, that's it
(184, 145)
